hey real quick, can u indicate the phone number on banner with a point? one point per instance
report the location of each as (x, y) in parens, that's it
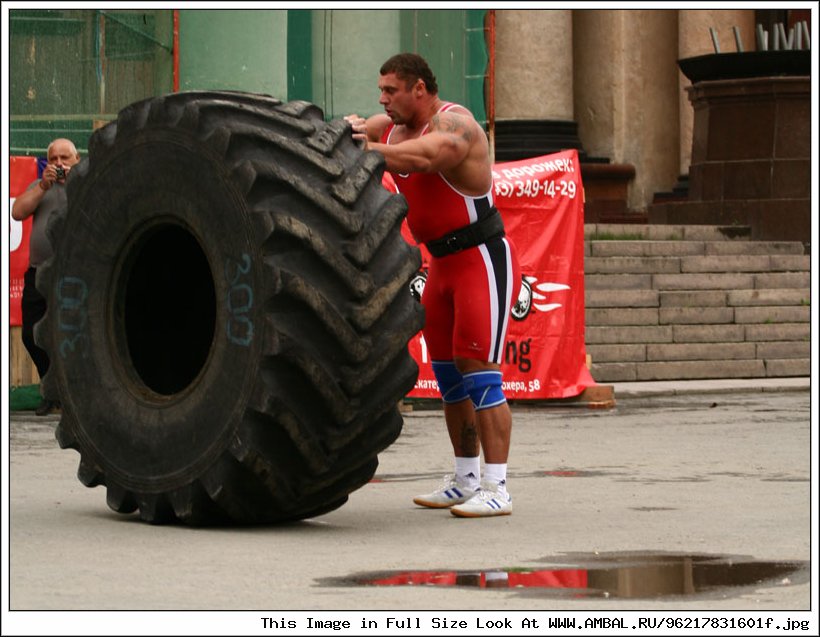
(536, 188)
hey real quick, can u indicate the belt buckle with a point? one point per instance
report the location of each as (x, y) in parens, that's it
(452, 243)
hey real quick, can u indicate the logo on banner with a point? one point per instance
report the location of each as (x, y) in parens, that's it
(529, 297)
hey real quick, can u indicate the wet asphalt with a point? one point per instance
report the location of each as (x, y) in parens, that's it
(687, 497)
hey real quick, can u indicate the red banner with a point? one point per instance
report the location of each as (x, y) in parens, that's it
(22, 171)
(541, 201)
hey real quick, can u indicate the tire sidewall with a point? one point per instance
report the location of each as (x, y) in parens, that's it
(150, 180)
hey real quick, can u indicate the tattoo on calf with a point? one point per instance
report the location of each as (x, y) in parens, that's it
(469, 437)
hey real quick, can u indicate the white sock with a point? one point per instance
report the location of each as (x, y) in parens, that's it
(468, 471)
(496, 474)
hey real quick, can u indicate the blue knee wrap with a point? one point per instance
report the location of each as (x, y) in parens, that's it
(450, 381)
(484, 389)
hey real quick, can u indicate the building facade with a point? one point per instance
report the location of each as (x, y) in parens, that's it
(606, 82)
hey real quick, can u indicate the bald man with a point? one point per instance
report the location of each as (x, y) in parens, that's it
(39, 201)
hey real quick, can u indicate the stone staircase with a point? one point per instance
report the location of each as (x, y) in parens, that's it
(677, 302)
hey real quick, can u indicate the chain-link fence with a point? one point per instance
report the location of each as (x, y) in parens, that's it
(72, 70)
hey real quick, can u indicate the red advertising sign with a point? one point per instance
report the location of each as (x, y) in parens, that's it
(22, 171)
(541, 201)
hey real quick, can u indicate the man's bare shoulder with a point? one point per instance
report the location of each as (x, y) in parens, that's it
(460, 123)
(459, 109)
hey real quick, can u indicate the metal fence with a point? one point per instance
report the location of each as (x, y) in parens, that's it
(72, 70)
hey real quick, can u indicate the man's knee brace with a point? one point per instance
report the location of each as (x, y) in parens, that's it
(485, 389)
(450, 382)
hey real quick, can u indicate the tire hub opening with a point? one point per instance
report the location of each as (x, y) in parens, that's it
(169, 309)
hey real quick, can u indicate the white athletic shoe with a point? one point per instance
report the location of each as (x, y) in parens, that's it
(451, 492)
(489, 500)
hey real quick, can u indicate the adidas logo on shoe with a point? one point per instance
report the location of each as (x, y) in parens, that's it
(451, 492)
(490, 500)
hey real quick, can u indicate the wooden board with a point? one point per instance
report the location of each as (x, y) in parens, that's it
(21, 368)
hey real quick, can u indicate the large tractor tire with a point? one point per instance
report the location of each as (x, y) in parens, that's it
(228, 311)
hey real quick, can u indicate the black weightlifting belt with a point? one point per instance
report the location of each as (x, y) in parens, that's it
(469, 236)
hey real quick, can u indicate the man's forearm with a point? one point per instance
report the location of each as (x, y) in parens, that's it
(401, 159)
(26, 203)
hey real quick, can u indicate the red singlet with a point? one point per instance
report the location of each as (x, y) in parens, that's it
(468, 295)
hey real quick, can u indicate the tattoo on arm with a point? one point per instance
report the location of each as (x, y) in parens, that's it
(453, 124)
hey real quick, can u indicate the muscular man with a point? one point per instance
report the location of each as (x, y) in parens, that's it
(439, 158)
(42, 197)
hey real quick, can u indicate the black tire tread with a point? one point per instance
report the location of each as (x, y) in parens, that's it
(290, 457)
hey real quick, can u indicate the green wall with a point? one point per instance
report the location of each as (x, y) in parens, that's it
(452, 42)
(349, 47)
(237, 49)
(331, 57)
(328, 57)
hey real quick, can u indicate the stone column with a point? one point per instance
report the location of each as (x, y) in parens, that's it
(626, 103)
(533, 84)
(533, 64)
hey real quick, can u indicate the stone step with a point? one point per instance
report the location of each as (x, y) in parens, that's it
(644, 352)
(754, 247)
(700, 369)
(693, 333)
(665, 232)
(694, 302)
(598, 298)
(735, 281)
(649, 316)
(723, 264)
(651, 248)
(783, 296)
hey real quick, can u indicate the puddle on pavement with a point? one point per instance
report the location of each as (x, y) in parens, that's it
(612, 575)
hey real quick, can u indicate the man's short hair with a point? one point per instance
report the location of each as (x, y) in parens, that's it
(410, 67)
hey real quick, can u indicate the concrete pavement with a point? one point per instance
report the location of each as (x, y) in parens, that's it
(698, 470)
(720, 386)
